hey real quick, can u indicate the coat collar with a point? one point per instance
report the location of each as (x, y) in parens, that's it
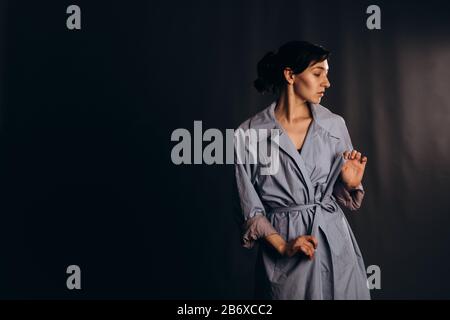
(322, 118)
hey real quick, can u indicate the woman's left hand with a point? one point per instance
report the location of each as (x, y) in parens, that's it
(353, 169)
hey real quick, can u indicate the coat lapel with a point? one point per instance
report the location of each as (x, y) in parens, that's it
(322, 119)
(288, 147)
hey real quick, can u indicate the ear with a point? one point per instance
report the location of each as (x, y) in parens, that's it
(288, 75)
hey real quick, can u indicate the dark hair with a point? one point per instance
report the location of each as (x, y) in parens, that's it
(297, 55)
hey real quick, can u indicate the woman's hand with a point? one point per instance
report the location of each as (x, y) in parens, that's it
(305, 244)
(353, 169)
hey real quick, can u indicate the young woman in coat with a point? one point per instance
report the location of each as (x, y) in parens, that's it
(307, 248)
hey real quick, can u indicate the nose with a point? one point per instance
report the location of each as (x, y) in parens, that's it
(326, 84)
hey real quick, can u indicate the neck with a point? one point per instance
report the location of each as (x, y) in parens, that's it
(291, 108)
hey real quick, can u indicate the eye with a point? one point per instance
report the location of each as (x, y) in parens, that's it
(317, 74)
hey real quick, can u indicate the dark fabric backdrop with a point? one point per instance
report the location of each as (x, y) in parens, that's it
(86, 120)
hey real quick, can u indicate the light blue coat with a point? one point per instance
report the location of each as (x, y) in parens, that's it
(303, 198)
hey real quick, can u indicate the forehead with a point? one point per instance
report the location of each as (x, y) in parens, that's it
(320, 65)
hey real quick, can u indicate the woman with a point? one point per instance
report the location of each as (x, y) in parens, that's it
(307, 250)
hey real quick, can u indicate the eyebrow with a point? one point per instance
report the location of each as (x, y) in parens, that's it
(320, 68)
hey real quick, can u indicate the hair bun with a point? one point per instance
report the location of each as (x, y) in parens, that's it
(266, 70)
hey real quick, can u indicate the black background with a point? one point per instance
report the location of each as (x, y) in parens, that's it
(86, 120)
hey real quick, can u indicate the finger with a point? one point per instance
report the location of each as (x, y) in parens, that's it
(358, 156)
(304, 250)
(305, 245)
(308, 251)
(308, 245)
(352, 156)
(311, 256)
(346, 155)
(313, 240)
(311, 250)
(364, 159)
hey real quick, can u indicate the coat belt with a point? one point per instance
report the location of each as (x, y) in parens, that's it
(328, 205)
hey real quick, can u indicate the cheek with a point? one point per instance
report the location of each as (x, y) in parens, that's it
(305, 87)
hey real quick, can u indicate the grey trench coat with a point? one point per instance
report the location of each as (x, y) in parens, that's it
(303, 198)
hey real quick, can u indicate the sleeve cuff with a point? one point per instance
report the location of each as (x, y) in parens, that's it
(255, 228)
(350, 199)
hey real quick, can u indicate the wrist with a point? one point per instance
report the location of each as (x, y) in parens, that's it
(278, 243)
(282, 248)
(349, 186)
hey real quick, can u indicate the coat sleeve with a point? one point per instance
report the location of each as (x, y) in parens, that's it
(351, 199)
(252, 215)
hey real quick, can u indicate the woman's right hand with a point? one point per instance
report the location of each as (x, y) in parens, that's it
(305, 244)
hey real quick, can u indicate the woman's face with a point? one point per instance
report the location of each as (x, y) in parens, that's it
(310, 85)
